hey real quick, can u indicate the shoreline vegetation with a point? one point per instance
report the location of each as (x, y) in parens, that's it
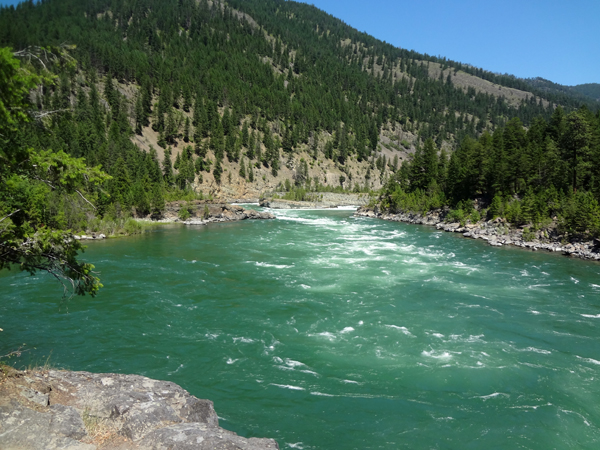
(195, 212)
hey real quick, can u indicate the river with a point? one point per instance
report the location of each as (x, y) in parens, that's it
(326, 331)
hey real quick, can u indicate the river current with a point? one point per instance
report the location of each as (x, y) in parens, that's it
(326, 331)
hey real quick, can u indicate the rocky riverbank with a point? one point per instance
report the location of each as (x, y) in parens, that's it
(204, 213)
(316, 200)
(53, 409)
(496, 232)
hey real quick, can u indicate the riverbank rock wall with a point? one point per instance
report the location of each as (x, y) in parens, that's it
(48, 410)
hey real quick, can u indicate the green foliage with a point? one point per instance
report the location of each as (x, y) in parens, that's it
(132, 226)
(581, 215)
(300, 195)
(218, 171)
(457, 215)
(31, 236)
(496, 209)
(184, 213)
(528, 234)
(14, 92)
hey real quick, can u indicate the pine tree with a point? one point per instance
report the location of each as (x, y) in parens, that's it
(168, 168)
(242, 169)
(217, 143)
(217, 171)
(186, 130)
(244, 136)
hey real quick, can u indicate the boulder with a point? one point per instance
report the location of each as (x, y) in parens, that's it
(60, 410)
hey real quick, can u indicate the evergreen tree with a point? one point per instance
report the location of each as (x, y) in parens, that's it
(168, 168)
(242, 168)
(218, 171)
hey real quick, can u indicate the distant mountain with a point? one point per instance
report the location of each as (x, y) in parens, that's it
(587, 94)
(591, 90)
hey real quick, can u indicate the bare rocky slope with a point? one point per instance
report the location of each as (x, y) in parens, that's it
(48, 410)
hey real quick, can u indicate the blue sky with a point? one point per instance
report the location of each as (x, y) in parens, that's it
(556, 40)
(553, 39)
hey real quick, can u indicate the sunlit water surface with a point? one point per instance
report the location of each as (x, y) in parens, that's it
(326, 331)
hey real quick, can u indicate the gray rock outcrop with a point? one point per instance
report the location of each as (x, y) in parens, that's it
(204, 213)
(87, 411)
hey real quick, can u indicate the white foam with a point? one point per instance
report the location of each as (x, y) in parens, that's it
(325, 334)
(276, 266)
(288, 386)
(321, 394)
(231, 361)
(437, 355)
(590, 360)
(402, 329)
(243, 340)
(535, 350)
(471, 338)
(347, 330)
(591, 316)
(350, 382)
(495, 394)
(292, 363)
(566, 411)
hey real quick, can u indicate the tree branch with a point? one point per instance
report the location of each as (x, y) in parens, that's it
(37, 115)
(12, 213)
(87, 201)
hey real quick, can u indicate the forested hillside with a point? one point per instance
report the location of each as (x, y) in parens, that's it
(184, 98)
(546, 176)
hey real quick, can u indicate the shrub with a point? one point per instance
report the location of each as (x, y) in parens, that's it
(456, 215)
(184, 213)
(528, 235)
(132, 227)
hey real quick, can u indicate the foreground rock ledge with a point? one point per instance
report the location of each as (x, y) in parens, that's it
(86, 411)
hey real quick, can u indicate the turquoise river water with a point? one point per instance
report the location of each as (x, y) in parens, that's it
(326, 331)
